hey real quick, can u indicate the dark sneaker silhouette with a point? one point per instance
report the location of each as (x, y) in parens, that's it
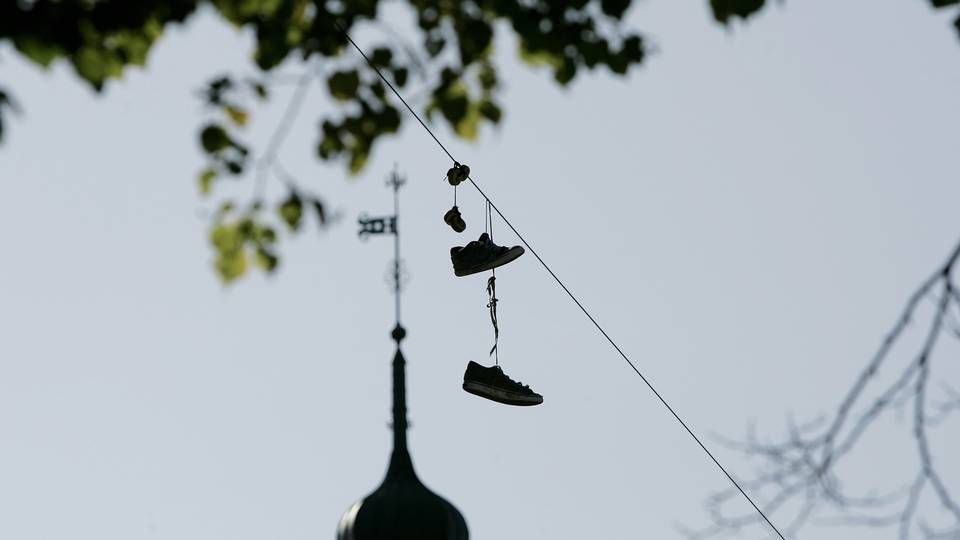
(455, 220)
(481, 254)
(457, 174)
(493, 384)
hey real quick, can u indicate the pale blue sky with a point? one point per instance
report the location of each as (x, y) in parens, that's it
(745, 214)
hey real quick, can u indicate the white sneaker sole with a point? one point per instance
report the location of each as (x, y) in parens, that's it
(500, 395)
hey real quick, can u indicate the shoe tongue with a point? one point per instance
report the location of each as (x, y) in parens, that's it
(484, 238)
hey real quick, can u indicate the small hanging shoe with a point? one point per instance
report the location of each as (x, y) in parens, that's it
(454, 220)
(493, 384)
(480, 255)
(457, 174)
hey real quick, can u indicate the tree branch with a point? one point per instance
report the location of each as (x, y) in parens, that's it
(798, 475)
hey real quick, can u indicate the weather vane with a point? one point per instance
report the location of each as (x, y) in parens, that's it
(372, 226)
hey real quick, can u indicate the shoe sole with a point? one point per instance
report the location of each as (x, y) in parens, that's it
(500, 396)
(509, 256)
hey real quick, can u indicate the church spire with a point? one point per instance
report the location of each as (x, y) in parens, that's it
(388, 225)
(402, 507)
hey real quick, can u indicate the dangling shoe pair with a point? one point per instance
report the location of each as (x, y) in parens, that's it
(490, 382)
(457, 174)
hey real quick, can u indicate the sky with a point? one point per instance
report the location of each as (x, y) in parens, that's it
(745, 214)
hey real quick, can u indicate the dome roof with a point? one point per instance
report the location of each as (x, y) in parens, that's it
(402, 508)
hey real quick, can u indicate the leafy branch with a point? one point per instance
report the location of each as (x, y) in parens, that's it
(241, 236)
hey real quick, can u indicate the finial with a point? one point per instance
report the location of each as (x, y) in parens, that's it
(398, 333)
(396, 181)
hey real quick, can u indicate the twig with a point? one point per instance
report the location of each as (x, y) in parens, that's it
(798, 474)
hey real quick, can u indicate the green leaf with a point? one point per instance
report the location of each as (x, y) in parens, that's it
(226, 238)
(358, 159)
(272, 47)
(469, 126)
(265, 235)
(246, 228)
(216, 88)
(214, 138)
(381, 57)
(540, 57)
(266, 260)
(343, 85)
(206, 180)
(614, 8)
(329, 145)
(491, 111)
(454, 103)
(619, 63)
(291, 211)
(389, 120)
(379, 90)
(220, 84)
(41, 51)
(6, 103)
(237, 115)
(235, 167)
(435, 44)
(225, 208)
(241, 11)
(131, 47)
(474, 37)
(633, 48)
(487, 77)
(96, 65)
(260, 89)
(566, 72)
(230, 266)
(400, 76)
(724, 10)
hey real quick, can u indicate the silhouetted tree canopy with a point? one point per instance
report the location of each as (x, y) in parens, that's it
(451, 64)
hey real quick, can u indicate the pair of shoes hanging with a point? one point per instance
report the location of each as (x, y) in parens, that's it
(479, 256)
(457, 174)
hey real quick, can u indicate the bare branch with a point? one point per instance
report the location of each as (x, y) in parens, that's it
(797, 475)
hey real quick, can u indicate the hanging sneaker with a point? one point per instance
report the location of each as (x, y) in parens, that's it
(455, 220)
(481, 254)
(492, 383)
(457, 174)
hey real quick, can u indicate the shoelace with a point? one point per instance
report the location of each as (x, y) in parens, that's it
(492, 305)
(507, 377)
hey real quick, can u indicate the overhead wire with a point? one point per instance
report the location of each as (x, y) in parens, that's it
(563, 286)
